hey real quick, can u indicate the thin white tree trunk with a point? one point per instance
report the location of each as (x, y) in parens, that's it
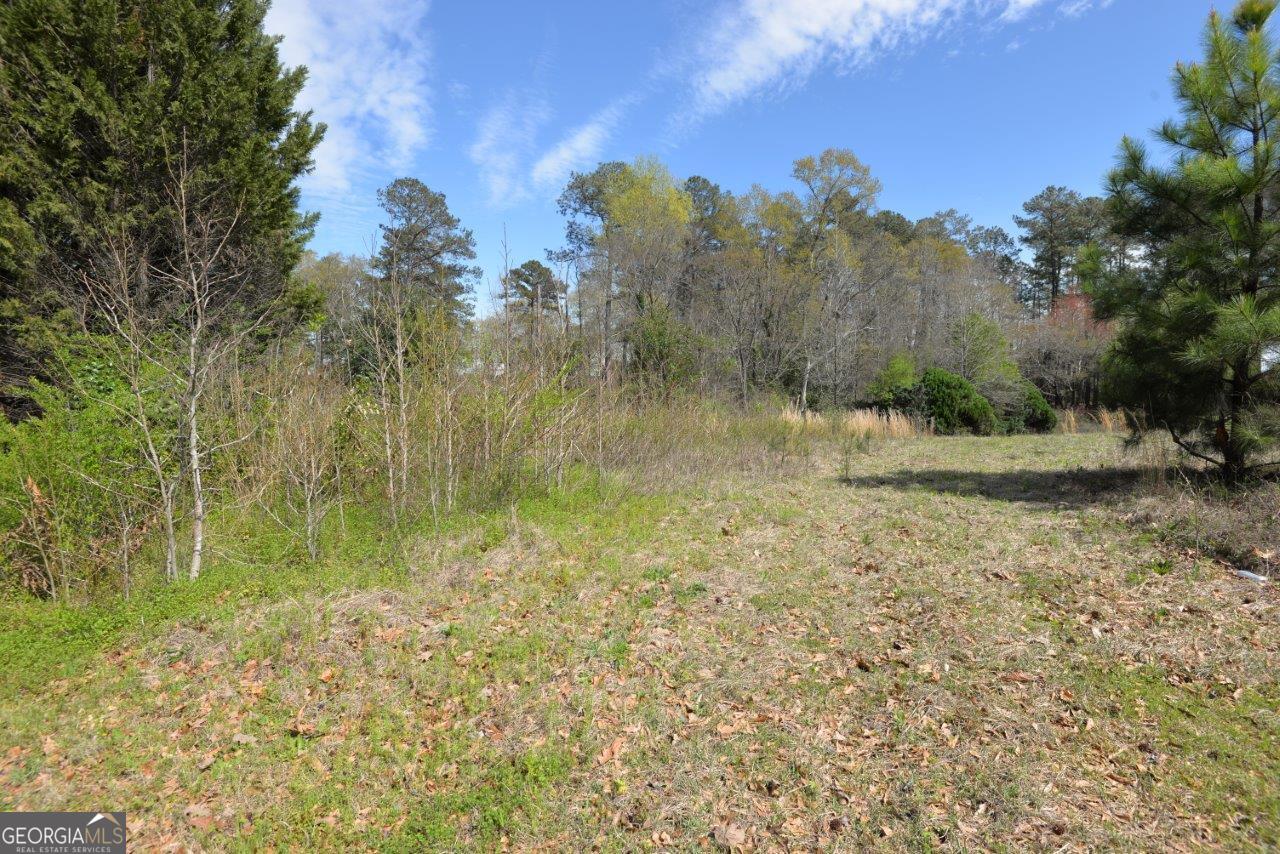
(197, 480)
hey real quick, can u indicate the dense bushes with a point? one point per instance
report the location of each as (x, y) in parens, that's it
(1035, 414)
(71, 482)
(952, 404)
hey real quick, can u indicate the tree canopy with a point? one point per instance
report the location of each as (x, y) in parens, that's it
(102, 103)
(425, 248)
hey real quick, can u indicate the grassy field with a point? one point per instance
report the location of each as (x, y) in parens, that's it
(946, 644)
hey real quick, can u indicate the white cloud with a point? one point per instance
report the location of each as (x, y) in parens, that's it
(756, 45)
(504, 143)
(368, 65)
(1018, 8)
(580, 148)
(1076, 8)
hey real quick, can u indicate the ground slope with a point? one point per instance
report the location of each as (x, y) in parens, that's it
(961, 644)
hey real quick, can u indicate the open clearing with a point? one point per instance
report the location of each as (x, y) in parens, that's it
(965, 645)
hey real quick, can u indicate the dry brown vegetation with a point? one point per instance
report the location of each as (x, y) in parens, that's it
(863, 423)
(1240, 528)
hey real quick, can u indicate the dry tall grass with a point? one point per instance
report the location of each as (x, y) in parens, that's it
(1113, 420)
(868, 423)
(880, 425)
(1073, 421)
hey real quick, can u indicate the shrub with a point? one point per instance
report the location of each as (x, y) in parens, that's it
(953, 404)
(1036, 414)
(1027, 411)
(980, 353)
(665, 350)
(71, 487)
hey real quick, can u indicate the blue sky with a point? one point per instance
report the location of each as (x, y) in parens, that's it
(971, 104)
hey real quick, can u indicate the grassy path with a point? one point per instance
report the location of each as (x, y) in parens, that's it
(962, 646)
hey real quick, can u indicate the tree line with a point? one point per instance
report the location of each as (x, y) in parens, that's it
(681, 284)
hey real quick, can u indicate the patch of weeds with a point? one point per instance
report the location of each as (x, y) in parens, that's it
(493, 533)
(514, 792)
(1211, 749)
(685, 595)
(518, 650)
(42, 640)
(1040, 586)
(774, 601)
(1160, 566)
(1135, 576)
(658, 573)
(615, 649)
(784, 514)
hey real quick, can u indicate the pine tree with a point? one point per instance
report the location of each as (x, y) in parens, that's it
(425, 249)
(101, 100)
(1058, 223)
(1200, 313)
(533, 287)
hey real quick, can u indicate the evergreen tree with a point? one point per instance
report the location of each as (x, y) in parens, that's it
(100, 100)
(893, 224)
(1058, 223)
(1200, 317)
(425, 248)
(584, 203)
(712, 219)
(534, 285)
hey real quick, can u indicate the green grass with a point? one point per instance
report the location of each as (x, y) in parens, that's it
(902, 659)
(41, 641)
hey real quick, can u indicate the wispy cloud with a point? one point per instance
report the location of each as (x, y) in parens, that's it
(369, 80)
(1018, 9)
(1076, 8)
(581, 147)
(760, 45)
(504, 143)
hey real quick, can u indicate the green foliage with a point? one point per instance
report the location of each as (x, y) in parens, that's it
(840, 189)
(1252, 14)
(646, 198)
(533, 286)
(1200, 320)
(952, 404)
(981, 352)
(102, 103)
(892, 387)
(72, 480)
(425, 249)
(664, 349)
(1032, 412)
